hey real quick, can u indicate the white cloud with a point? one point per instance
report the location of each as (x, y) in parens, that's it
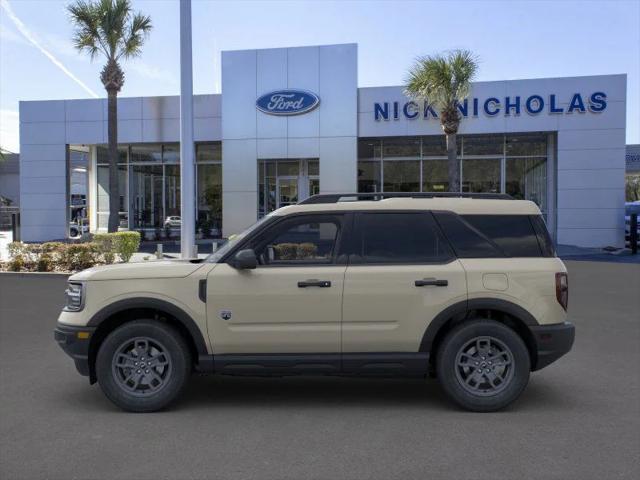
(31, 37)
(9, 130)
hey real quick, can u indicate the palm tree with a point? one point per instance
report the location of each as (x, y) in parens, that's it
(110, 28)
(444, 81)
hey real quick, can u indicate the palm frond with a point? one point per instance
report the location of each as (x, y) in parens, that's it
(442, 80)
(139, 28)
(108, 27)
(85, 16)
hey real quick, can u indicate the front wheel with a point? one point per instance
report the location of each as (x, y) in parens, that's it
(483, 365)
(143, 365)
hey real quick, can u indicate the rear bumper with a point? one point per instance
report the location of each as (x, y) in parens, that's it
(77, 347)
(552, 342)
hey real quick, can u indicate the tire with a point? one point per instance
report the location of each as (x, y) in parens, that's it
(143, 365)
(483, 365)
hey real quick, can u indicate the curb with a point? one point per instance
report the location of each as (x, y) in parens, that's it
(26, 274)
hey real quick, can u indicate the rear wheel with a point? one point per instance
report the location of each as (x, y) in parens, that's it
(143, 365)
(483, 365)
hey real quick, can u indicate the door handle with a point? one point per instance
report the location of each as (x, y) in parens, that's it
(314, 283)
(431, 282)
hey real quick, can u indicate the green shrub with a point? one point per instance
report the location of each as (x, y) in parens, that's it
(16, 248)
(51, 247)
(16, 264)
(286, 251)
(44, 263)
(79, 256)
(306, 251)
(106, 245)
(126, 244)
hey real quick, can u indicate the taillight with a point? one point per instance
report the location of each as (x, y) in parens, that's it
(562, 289)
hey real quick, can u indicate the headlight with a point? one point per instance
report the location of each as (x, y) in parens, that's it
(74, 297)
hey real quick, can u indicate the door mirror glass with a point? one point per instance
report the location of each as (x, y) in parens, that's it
(245, 260)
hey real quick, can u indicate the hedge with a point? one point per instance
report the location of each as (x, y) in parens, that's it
(104, 248)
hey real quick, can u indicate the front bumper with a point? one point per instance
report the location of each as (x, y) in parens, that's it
(75, 343)
(552, 342)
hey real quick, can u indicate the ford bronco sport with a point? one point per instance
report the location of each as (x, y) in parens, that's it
(466, 288)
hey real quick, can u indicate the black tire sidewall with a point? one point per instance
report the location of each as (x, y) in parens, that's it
(177, 349)
(446, 361)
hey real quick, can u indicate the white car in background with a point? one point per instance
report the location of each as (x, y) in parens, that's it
(173, 222)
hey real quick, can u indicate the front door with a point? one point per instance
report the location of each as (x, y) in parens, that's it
(292, 302)
(401, 274)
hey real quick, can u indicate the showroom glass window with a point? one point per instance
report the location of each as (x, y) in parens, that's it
(102, 186)
(209, 188)
(149, 185)
(491, 163)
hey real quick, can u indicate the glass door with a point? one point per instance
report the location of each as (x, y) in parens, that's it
(287, 191)
(283, 182)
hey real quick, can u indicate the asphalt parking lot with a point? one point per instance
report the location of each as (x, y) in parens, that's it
(579, 418)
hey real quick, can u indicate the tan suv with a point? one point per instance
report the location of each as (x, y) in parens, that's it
(464, 287)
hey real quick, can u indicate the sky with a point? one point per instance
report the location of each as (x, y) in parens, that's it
(513, 40)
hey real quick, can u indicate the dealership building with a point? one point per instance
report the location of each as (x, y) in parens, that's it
(292, 122)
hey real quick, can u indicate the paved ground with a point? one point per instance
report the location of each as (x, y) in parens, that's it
(578, 419)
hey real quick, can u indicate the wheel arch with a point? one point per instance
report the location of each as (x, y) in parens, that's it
(123, 311)
(503, 311)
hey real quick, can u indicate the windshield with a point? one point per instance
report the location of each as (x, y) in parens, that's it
(233, 241)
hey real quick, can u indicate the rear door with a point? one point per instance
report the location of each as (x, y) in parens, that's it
(401, 274)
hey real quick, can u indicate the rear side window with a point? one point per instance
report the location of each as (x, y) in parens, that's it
(467, 241)
(399, 238)
(513, 234)
(491, 236)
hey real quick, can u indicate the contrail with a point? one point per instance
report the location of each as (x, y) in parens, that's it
(31, 38)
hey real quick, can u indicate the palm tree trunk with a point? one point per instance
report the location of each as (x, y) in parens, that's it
(114, 193)
(453, 163)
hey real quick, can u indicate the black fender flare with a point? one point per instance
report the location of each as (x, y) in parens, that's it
(155, 304)
(459, 311)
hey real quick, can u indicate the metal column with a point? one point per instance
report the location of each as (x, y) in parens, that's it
(187, 148)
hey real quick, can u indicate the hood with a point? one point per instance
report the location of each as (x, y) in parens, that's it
(141, 270)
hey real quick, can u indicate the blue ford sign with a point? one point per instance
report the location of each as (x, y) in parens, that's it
(287, 102)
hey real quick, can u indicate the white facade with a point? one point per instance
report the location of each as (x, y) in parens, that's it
(586, 147)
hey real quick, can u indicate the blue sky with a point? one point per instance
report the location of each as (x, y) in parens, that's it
(513, 40)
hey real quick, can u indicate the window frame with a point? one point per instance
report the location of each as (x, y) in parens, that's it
(355, 258)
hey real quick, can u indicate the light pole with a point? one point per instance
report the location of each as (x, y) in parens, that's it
(187, 148)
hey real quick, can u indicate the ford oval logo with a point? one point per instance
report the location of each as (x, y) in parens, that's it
(287, 102)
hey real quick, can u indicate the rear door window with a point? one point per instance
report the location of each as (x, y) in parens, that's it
(399, 238)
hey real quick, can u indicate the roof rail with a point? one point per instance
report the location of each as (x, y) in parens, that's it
(354, 197)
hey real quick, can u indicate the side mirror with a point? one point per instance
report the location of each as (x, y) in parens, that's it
(245, 260)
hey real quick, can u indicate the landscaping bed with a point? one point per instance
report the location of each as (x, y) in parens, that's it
(69, 257)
